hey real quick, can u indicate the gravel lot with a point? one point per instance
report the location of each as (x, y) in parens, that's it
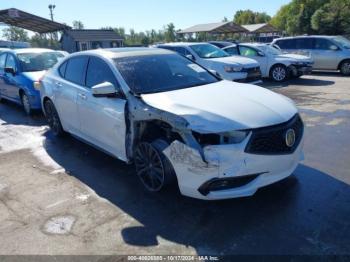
(60, 196)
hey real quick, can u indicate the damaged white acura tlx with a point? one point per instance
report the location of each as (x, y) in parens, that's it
(177, 122)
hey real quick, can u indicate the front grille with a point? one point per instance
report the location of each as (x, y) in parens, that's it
(272, 140)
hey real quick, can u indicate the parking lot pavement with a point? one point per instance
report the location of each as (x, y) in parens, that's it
(60, 196)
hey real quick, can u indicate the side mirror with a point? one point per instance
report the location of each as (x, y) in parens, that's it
(10, 70)
(215, 73)
(261, 53)
(334, 48)
(191, 57)
(105, 89)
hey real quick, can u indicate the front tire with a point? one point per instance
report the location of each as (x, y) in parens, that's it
(345, 68)
(279, 73)
(26, 104)
(152, 167)
(53, 119)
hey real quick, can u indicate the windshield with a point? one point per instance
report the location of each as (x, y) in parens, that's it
(208, 51)
(38, 61)
(160, 73)
(272, 50)
(342, 41)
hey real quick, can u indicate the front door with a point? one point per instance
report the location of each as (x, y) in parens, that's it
(323, 55)
(254, 54)
(102, 120)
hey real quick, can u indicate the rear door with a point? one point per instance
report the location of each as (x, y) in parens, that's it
(66, 91)
(102, 119)
(324, 56)
(304, 46)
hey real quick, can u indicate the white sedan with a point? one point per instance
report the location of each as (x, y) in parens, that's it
(176, 121)
(273, 63)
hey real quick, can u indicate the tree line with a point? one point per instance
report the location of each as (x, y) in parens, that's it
(296, 18)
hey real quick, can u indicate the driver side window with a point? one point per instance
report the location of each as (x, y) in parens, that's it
(99, 72)
(247, 51)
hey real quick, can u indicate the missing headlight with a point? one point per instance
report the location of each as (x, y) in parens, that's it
(226, 138)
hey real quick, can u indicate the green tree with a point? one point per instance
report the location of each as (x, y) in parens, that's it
(14, 33)
(295, 17)
(246, 17)
(78, 24)
(170, 33)
(333, 18)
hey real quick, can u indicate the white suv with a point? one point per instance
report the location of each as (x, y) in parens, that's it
(239, 69)
(175, 120)
(273, 63)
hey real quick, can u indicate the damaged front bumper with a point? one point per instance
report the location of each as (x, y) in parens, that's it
(228, 172)
(299, 70)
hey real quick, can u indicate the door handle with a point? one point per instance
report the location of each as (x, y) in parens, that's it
(58, 84)
(82, 96)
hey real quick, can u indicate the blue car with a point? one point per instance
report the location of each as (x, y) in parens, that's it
(20, 74)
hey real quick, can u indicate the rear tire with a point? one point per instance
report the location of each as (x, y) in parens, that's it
(26, 104)
(279, 73)
(345, 68)
(53, 119)
(152, 167)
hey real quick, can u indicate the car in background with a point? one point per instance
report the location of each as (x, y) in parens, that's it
(177, 122)
(14, 44)
(273, 63)
(20, 74)
(221, 44)
(239, 69)
(328, 52)
(4, 49)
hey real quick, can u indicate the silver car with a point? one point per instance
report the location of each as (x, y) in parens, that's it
(328, 52)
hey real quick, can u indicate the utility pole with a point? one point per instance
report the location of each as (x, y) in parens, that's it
(52, 7)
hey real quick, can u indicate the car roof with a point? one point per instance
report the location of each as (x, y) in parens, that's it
(185, 44)
(29, 50)
(303, 36)
(125, 52)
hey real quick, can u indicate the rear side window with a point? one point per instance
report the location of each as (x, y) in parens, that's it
(2, 61)
(76, 69)
(231, 50)
(304, 43)
(62, 69)
(182, 51)
(286, 44)
(99, 72)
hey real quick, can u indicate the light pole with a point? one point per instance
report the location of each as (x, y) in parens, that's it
(52, 7)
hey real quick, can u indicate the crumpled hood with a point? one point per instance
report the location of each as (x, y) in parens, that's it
(34, 76)
(238, 60)
(224, 106)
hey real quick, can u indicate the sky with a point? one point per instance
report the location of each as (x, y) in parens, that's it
(141, 15)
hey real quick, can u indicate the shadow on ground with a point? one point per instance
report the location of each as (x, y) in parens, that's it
(14, 114)
(297, 82)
